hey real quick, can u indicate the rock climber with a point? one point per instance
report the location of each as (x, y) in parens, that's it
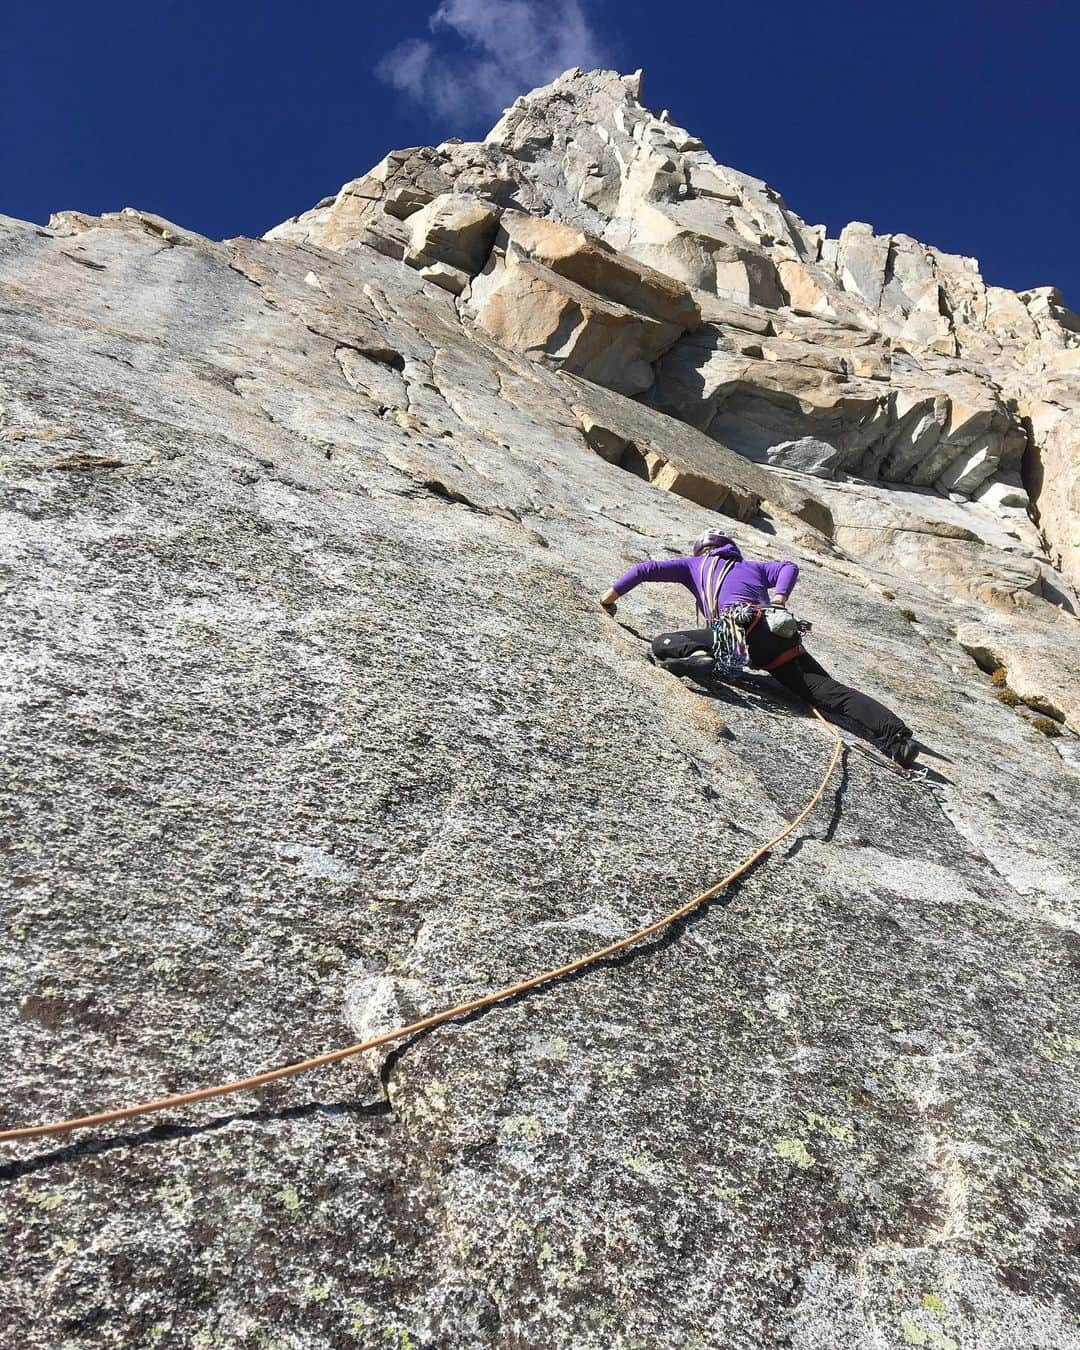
(746, 628)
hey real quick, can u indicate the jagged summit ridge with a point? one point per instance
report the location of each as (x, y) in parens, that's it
(896, 353)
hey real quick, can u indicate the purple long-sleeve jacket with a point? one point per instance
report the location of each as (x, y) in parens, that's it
(746, 581)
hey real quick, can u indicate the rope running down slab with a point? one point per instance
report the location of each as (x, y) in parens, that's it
(447, 1014)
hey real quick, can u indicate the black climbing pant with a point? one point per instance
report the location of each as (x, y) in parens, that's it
(802, 676)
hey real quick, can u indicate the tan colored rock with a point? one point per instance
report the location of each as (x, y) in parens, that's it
(531, 309)
(696, 487)
(1047, 307)
(335, 222)
(554, 292)
(396, 188)
(805, 291)
(875, 364)
(608, 444)
(453, 229)
(1056, 482)
(709, 180)
(942, 545)
(691, 243)
(1041, 661)
(860, 262)
(441, 274)
(751, 404)
(68, 223)
(679, 459)
(885, 420)
(727, 313)
(598, 267)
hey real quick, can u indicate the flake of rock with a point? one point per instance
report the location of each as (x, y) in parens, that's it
(807, 455)
(454, 229)
(529, 300)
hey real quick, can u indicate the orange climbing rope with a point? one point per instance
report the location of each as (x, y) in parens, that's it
(447, 1014)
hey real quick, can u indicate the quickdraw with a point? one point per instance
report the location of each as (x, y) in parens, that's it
(731, 632)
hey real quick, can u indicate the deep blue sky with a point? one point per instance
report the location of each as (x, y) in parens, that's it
(953, 121)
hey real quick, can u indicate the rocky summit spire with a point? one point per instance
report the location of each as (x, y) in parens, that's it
(897, 356)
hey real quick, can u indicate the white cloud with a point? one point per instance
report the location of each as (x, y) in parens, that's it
(500, 49)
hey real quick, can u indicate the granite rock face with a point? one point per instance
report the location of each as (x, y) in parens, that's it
(313, 725)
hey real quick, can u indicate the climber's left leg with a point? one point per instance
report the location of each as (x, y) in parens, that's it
(685, 653)
(668, 646)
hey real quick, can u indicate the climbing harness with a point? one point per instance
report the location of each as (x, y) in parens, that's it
(447, 1014)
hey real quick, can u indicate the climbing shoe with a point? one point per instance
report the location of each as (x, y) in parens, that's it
(902, 750)
(699, 666)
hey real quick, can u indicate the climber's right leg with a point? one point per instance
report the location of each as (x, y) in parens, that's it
(808, 680)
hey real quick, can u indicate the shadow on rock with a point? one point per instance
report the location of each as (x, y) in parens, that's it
(166, 1133)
